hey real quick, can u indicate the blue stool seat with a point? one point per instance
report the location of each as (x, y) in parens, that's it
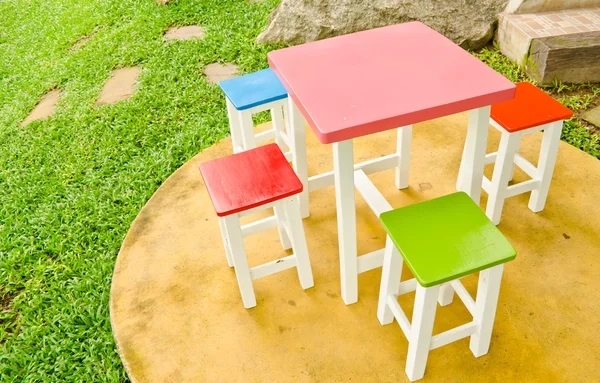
(253, 89)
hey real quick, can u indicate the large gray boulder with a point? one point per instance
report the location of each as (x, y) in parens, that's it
(469, 23)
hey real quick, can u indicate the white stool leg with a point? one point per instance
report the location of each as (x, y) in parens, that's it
(446, 294)
(247, 127)
(390, 281)
(546, 162)
(297, 135)
(403, 144)
(226, 242)
(292, 213)
(279, 127)
(237, 138)
(486, 302)
(512, 168)
(421, 331)
(283, 237)
(242, 271)
(509, 144)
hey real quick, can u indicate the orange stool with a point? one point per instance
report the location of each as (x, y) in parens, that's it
(531, 110)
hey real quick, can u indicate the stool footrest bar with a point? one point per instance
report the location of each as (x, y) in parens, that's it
(522, 187)
(407, 286)
(259, 226)
(464, 296)
(265, 136)
(289, 156)
(399, 315)
(519, 160)
(526, 166)
(486, 184)
(370, 261)
(490, 158)
(273, 267)
(453, 335)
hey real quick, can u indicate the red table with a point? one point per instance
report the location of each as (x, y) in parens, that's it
(366, 82)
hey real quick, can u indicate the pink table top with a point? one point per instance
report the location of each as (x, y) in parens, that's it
(367, 82)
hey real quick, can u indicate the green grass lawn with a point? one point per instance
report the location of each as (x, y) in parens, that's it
(71, 185)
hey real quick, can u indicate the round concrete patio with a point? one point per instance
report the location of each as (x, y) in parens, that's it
(177, 314)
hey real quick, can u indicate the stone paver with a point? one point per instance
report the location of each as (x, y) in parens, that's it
(120, 86)
(83, 40)
(216, 72)
(44, 108)
(191, 32)
(593, 116)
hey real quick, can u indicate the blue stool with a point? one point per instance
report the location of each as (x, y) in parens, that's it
(250, 94)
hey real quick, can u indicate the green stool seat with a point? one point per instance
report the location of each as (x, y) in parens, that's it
(446, 238)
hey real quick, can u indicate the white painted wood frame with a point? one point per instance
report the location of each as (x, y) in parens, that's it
(419, 330)
(403, 145)
(348, 175)
(343, 165)
(287, 219)
(507, 157)
(470, 173)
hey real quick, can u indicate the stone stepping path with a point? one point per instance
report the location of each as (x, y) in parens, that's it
(82, 41)
(593, 116)
(216, 72)
(119, 87)
(121, 84)
(45, 108)
(192, 32)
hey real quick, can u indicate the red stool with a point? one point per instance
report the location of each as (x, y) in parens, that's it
(531, 110)
(247, 182)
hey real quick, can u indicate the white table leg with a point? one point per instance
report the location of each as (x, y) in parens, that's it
(299, 161)
(343, 167)
(471, 168)
(403, 143)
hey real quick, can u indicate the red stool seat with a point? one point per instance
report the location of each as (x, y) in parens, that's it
(529, 108)
(249, 179)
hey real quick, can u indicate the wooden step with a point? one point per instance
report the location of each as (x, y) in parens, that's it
(571, 58)
(516, 32)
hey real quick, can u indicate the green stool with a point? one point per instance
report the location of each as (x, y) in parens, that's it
(441, 240)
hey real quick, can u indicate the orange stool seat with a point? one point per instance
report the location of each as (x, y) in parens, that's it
(529, 108)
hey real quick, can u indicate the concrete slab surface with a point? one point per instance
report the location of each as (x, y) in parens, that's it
(177, 314)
